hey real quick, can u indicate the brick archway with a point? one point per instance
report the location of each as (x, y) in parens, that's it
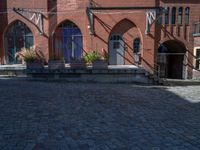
(68, 41)
(127, 31)
(171, 59)
(17, 36)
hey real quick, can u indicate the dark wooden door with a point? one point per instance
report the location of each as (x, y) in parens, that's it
(175, 66)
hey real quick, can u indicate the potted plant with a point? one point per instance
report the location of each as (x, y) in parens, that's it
(57, 62)
(102, 62)
(32, 58)
(97, 60)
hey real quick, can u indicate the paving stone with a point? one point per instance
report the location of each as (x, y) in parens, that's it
(77, 116)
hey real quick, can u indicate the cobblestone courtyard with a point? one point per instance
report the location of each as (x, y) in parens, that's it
(77, 116)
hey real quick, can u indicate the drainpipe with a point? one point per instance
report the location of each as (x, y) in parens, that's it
(53, 49)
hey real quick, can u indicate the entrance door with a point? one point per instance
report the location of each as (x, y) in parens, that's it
(175, 66)
(173, 57)
(69, 39)
(116, 50)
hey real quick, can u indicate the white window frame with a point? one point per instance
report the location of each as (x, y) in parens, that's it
(195, 54)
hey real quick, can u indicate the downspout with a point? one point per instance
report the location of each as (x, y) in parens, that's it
(53, 49)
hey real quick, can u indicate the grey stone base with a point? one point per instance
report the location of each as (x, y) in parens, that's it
(113, 74)
(93, 75)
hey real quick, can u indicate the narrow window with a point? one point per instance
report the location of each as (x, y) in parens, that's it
(136, 45)
(173, 15)
(167, 16)
(187, 16)
(180, 15)
(198, 59)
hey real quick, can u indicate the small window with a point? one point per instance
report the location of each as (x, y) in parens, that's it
(116, 45)
(167, 16)
(136, 45)
(187, 16)
(198, 59)
(180, 15)
(173, 15)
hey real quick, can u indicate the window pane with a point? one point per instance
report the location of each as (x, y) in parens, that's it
(136, 45)
(167, 16)
(187, 16)
(173, 15)
(198, 59)
(29, 41)
(116, 45)
(180, 15)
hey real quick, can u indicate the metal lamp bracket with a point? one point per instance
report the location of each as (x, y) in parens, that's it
(34, 17)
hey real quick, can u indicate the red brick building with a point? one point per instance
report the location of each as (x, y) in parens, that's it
(161, 35)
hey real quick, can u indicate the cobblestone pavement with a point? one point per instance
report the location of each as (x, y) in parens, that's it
(77, 116)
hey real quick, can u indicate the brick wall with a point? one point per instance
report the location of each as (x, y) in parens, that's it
(105, 21)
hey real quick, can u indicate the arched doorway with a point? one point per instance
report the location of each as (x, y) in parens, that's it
(121, 43)
(68, 41)
(17, 37)
(171, 57)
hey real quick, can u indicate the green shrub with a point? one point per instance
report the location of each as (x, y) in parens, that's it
(91, 57)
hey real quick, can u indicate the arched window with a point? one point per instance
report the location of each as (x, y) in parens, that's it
(167, 16)
(173, 21)
(187, 16)
(68, 42)
(136, 45)
(180, 15)
(17, 37)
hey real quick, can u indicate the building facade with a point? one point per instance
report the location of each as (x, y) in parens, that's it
(163, 36)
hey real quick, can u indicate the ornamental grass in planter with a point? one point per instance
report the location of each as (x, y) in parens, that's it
(33, 58)
(96, 60)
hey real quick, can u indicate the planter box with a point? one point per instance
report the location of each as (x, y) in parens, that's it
(35, 65)
(78, 64)
(56, 64)
(100, 64)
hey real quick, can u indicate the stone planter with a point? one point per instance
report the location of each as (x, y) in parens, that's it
(100, 64)
(38, 65)
(56, 64)
(78, 64)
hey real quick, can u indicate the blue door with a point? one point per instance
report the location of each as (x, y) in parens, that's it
(71, 37)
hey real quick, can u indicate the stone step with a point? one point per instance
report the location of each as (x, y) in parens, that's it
(179, 82)
(113, 74)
